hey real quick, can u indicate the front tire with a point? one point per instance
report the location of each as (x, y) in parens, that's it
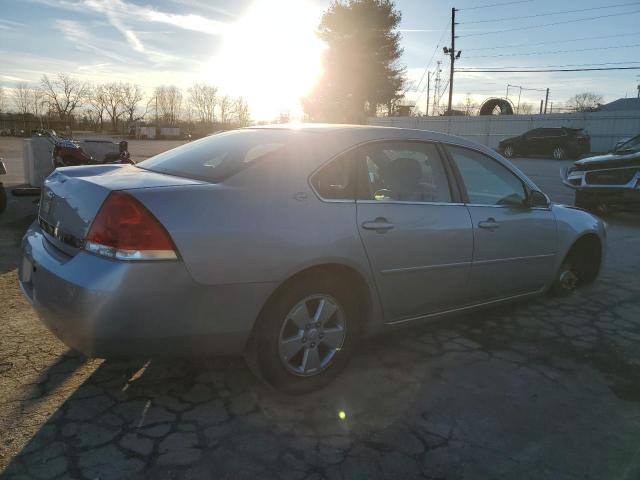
(306, 335)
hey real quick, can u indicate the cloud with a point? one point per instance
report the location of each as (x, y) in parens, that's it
(131, 12)
(10, 25)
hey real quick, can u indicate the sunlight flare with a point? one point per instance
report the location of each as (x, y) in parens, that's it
(271, 56)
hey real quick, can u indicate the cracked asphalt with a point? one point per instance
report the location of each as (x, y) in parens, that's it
(544, 389)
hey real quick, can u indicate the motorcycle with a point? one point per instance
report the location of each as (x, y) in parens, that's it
(67, 153)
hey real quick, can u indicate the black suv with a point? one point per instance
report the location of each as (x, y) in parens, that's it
(559, 142)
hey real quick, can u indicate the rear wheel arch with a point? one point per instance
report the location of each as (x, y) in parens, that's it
(262, 352)
(361, 294)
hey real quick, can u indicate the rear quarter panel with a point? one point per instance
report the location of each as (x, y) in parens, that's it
(262, 225)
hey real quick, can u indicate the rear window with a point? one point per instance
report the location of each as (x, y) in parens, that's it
(215, 158)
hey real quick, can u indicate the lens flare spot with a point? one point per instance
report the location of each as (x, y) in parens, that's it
(342, 415)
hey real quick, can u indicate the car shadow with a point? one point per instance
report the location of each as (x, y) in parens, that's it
(190, 418)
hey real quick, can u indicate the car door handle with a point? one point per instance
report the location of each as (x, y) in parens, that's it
(379, 224)
(489, 223)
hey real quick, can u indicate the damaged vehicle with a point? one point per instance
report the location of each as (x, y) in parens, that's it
(291, 244)
(606, 183)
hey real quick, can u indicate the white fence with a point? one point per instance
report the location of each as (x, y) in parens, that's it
(605, 128)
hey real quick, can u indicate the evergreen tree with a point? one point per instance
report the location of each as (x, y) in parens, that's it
(361, 63)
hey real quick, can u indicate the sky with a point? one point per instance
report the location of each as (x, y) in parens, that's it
(267, 51)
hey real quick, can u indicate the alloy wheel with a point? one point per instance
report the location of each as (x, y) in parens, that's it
(508, 151)
(558, 153)
(311, 335)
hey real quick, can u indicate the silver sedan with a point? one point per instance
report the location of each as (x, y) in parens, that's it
(289, 244)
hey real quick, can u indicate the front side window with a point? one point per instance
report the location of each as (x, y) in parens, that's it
(487, 181)
(404, 172)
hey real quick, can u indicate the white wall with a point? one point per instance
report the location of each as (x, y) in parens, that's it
(605, 128)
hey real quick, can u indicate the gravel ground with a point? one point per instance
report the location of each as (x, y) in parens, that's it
(545, 389)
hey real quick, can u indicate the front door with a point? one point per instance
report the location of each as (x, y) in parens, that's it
(417, 236)
(514, 245)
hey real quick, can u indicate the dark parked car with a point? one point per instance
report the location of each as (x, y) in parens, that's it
(559, 142)
(607, 182)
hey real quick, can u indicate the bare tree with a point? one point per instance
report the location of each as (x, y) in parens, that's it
(113, 101)
(241, 112)
(168, 101)
(21, 96)
(97, 105)
(225, 105)
(584, 102)
(3, 100)
(64, 94)
(38, 104)
(202, 98)
(525, 109)
(132, 95)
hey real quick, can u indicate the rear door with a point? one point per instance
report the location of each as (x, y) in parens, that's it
(514, 245)
(535, 141)
(417, 234)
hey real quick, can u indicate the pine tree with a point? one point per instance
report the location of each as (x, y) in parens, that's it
(361, 68)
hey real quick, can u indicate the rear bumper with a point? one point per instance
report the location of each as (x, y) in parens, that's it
(107, 308)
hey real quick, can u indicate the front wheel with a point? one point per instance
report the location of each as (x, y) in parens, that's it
(306, 335)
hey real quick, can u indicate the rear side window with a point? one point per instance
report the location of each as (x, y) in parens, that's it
(215, 158)
(335, 181)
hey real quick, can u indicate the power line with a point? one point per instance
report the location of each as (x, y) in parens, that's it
(529, 27)
(628, 62)
(430, 60)
(495, 5)
(560, 12)
(553, 42)
(551, 70)
(553, 52)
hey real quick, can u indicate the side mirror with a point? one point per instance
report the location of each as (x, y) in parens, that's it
(537, 199)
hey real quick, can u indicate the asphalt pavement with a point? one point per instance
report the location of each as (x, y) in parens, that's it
(544, 389)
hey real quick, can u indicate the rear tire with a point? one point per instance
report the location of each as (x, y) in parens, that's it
(508, 151)
(294, 348)
(559, 153)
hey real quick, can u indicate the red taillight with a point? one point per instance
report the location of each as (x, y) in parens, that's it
(126, 230)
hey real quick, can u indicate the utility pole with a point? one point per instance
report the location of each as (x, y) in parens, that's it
(436, 89)
(546, 100)
(428, 90)
(452, 53)
(541, 103)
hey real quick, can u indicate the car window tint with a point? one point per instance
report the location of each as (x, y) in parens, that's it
(405, 172)
(219, 156)
(334, 181)
(486, 180)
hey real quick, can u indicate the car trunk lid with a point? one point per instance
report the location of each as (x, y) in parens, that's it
(72, 196)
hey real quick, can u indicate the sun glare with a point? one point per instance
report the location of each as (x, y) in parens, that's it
(271, 56)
